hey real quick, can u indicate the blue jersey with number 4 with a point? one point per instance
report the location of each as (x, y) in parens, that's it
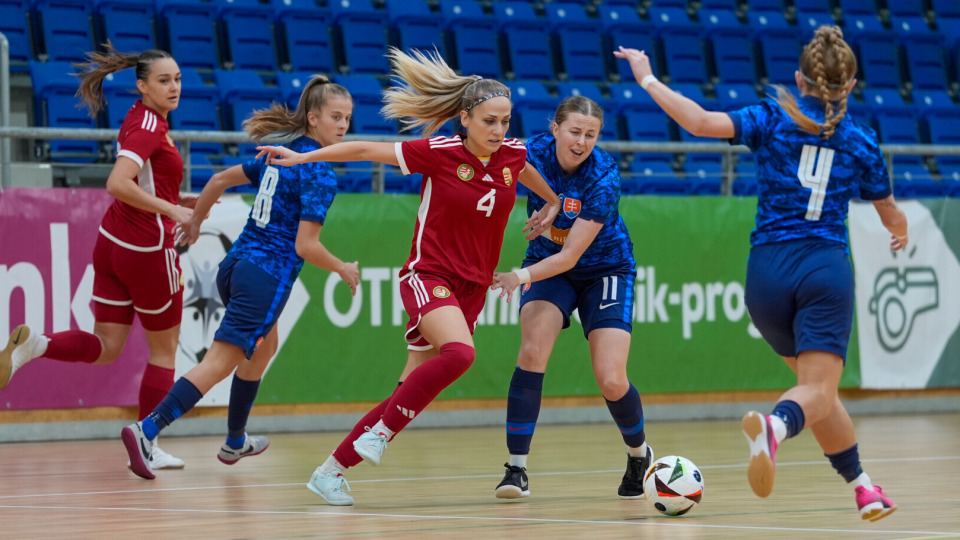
(286, 196)
(806, 182)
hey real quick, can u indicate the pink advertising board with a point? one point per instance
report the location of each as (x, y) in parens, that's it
(46, 280)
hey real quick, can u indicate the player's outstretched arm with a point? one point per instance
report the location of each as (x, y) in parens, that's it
(310, 248)
(346, 151)
(894, 220)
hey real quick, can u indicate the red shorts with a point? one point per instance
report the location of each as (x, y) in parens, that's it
(127, 281)
(423, 293)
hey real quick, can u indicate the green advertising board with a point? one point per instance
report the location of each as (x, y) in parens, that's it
(691, 329)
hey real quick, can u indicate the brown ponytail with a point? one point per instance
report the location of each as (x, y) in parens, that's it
(100, 64)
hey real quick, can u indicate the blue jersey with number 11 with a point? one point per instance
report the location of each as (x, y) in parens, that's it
(806, 182)
(286, 196)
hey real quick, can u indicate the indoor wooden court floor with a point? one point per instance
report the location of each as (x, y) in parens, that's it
(440, 484)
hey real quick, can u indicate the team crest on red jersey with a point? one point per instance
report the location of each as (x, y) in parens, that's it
(170, 140)
(507, 176)
(441, 292)
(571, 207)
(465, 172)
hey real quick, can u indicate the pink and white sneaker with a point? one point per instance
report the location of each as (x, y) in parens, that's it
(763, 445)
(873, 504)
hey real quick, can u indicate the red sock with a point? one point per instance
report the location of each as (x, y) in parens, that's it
(345, 454)
(426, 382)
(73, 346)
(154, 386)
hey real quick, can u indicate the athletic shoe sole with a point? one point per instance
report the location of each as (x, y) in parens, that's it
(132, 443)
(18, 337)
(761, 470)
(251, 454)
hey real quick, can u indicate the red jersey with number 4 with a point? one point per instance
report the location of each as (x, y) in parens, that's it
(144, 139)
(464, 206)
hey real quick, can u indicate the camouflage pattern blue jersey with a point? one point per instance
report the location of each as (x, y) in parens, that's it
(806, 182)
(592, 193)
(286, 196)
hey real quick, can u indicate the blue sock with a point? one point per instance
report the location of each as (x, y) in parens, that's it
(180, 399)
(627, 412)
(847, 463)
(523, 408)
(242, 395)
(792, 415)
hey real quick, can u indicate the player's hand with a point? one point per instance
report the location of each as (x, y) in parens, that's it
(639, 62)
(188, 200)
(279, 155)
(898, 242)
(541, 220)
(351, 274)
(507, 283)
(186, 233)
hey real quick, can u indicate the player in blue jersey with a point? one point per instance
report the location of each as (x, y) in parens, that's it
(258, 273)
(584, 262)
(812, 159)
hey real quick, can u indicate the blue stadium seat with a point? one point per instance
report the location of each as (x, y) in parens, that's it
(415, 26)
(199, 110)
(526, 40)
(732, 52)
(396, 182)
(119, 90)
(367, 101)
(578, 42)
(746, 186)
(66, 29)
(201, 169)
(765, 14)
(682, 53)
(533, 108)
(242, 91)
(943, 127)
(187, 30)
(127, 24)
(622, 26)
(947, 13)
(648, 172)
(918, 183)
(15, 19)
(859, 16)
(907, 17)
(469, 32)
(303, 32)
(812, 14)
(670, 15)
(362, 31)
(55, 106)
(926, 60)
(932, 98)
(879, 54)
(246, 34)
(898, 125)
(354, 177)
(735, 96)
(291, 84)
(780, 49)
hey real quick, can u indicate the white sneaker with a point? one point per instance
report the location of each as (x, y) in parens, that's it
(371, 445)
(329, 486)
(162, 460)
(23, 346)
(252, 445)
(139, 448)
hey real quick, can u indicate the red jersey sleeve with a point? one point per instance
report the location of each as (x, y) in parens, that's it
(139, 144)
(415, 156)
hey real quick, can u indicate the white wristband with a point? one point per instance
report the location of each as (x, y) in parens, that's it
(645, 82)
(523, 274)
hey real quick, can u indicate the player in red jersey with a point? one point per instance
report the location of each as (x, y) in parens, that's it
(468, 190)
(136, 267)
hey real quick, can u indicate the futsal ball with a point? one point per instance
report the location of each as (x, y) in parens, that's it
(673, 485)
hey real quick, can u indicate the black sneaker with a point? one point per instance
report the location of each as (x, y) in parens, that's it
(514, 484)
(631, 487)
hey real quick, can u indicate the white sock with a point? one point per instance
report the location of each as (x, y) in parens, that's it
(331, 465)
(518, 460)
(862, 480)
(640, 451)
(779, 428)
(379, 427)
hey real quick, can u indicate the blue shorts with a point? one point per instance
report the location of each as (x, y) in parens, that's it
(800, 296)
(254, 300)
(603, 295)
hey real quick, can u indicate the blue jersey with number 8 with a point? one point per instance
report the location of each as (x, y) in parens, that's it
(806, 182)
(286, 196)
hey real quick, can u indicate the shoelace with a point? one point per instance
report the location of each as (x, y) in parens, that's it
(381, 439)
